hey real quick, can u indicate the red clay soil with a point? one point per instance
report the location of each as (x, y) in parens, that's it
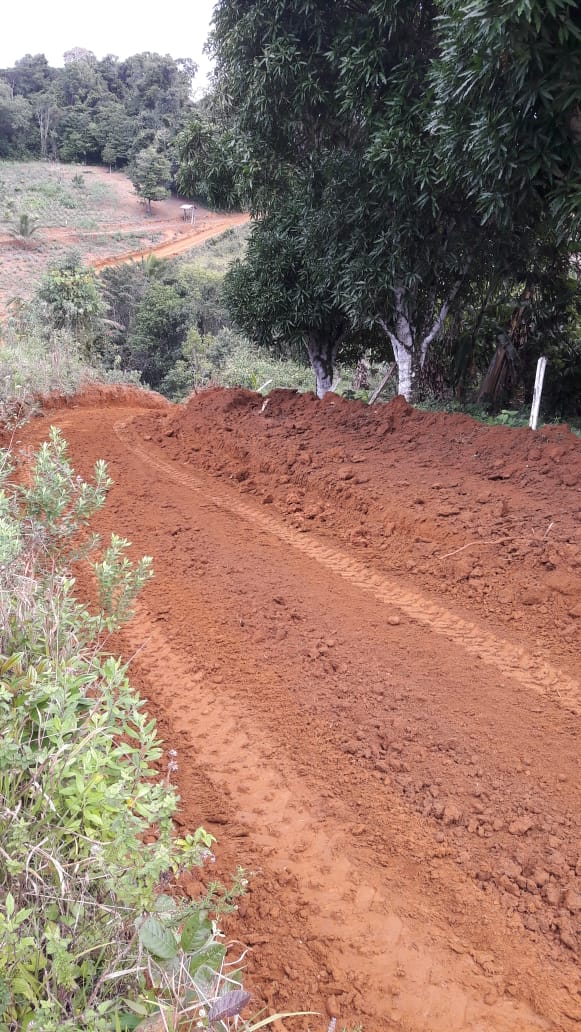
(363, 642)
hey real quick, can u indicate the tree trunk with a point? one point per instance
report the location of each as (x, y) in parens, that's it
(405, 372)
(43, 125)
(495, 376)
(402, 342)
(410, 351)
(322, 354)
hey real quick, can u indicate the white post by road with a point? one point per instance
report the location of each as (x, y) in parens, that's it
(541, 366)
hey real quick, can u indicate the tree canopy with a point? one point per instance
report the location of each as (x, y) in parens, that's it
(507, 106)
(342, 127)
(150, 174)
(90, 110)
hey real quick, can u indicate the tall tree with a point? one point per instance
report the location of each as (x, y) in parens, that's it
(282, 293)
(150, 173)
(31, 74)
(507, 107)
(15, 118)
(47, 114)
(331, 99)
(341, 101)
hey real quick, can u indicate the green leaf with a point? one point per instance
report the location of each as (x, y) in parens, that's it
(137, 1008)
(211, 958)
(124, 1022)
(165, 905)
(196, 932)
(157, 939)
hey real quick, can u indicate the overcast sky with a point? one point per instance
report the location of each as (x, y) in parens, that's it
(119, 27)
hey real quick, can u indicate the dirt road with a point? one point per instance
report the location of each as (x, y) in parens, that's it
(193, 236)
(363, 642)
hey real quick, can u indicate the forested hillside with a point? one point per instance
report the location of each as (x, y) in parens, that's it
(94, 111)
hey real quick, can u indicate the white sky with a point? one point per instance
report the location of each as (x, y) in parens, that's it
(121, 27)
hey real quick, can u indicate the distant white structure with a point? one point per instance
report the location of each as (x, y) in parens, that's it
(189, 212)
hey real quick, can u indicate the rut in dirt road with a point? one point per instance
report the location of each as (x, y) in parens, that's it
(400, 774)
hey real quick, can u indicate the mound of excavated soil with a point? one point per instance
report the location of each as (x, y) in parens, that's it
(490, 515)
(95, 394)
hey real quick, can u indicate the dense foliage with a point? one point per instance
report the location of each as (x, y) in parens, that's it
(343, 127)
(86, 939)
(507, 106)
(162, 323)
(94, 111)
(157, 309)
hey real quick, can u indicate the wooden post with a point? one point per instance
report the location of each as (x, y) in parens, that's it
(541, 366)
(383, 383)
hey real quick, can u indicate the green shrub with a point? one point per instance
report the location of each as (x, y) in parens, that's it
(34, 363)
(86, 827)
(25, 227)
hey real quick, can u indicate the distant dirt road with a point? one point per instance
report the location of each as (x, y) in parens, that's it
(363, 641)
(118, 222)
(167, 249)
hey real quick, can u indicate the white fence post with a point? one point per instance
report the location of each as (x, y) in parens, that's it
(541, 366)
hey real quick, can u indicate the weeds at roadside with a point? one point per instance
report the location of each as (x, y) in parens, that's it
(506, 417)
(88, 941)
(34, 363)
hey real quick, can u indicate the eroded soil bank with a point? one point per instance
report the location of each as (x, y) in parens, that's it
(363, 641)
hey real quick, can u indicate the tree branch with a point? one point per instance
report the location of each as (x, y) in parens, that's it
(395, 342)
(439, 322)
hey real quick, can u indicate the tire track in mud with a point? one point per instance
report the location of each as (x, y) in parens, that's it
(410, 982)
(532, 672)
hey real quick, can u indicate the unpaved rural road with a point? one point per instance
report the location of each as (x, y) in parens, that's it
(376, 710)
(191, 237)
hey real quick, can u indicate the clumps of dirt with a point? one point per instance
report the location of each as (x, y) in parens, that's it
(487, 514)
(94, 395)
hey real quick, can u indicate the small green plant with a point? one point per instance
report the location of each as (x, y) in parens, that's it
(25, 227)
(508, 417)
(86, 824)
(78, 181)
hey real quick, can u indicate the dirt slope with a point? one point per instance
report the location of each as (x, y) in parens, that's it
(363, 641)
(120, 230)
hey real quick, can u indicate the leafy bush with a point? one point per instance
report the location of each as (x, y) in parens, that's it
(86, 826)
(31, 366)
(152, 308)
(247, 366)
(230, 360)
(34, 363)
(70, 299)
